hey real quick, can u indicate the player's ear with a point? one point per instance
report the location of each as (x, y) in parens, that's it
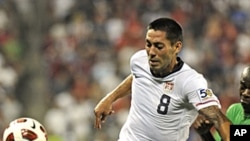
(178, 47)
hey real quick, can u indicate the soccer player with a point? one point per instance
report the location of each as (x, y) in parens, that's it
(237, 113)
(166, 93)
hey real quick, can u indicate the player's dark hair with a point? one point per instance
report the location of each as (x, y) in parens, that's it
(171, 27)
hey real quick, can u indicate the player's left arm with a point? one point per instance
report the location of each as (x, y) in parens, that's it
(203, 127)
(220, 121)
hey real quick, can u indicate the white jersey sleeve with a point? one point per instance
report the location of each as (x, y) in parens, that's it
(198, 92)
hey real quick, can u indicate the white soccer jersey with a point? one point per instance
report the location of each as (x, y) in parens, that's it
(163, 109)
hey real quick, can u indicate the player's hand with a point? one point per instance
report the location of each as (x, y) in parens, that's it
(202, 125)
(102, 110)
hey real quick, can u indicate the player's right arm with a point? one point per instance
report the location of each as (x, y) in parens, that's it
(104, 107)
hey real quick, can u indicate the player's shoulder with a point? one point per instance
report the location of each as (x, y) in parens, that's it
(190, 72)
(234, 111)
(139, 54)
(188, 68)
(139, 57)
(234, 106)
(190, 78)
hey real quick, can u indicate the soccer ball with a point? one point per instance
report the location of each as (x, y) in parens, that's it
(25, 129)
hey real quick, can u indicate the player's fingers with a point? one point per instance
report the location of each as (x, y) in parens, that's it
(100, 118)
(196, 124)
(105, 114)
(111, 112)
(103, 118)
(97, 122)
(207, 122)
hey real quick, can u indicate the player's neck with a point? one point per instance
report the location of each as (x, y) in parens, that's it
(168, 71)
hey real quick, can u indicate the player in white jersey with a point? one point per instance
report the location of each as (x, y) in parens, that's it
(167, 94)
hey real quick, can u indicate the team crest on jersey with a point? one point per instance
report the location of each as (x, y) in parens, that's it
(168, 87)
(205, 93)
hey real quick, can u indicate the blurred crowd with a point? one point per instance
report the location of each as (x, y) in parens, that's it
(88, 47)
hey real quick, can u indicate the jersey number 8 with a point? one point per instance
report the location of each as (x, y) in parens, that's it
(163, 106)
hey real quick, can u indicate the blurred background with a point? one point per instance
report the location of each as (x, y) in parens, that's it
(58, 58)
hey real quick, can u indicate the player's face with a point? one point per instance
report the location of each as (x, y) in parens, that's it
(245, 95)
(161, 55)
